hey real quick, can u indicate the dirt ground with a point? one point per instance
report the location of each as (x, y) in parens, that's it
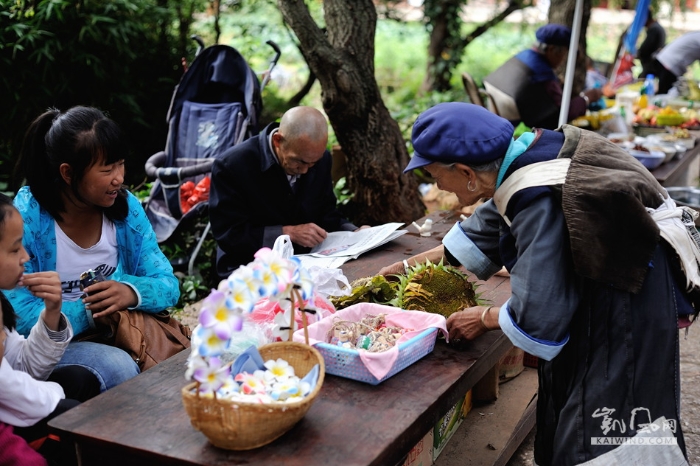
(690, 402)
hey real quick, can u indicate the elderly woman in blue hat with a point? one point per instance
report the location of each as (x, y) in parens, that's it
(592, 242)
(526, 88)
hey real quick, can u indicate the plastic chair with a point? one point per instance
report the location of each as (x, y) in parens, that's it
(490, 102)
(472, 89)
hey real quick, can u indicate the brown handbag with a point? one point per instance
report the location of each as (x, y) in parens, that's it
(148, 338)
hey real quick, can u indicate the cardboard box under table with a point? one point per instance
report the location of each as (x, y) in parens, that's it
(369, 367)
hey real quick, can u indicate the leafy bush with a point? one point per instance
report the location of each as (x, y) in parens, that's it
(117, 55)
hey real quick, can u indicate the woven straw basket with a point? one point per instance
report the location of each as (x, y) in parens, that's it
(243, 426)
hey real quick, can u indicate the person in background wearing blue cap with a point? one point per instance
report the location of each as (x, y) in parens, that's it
(526, 87)
(598, 292)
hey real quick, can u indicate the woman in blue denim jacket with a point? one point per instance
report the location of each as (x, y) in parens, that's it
(78, 216)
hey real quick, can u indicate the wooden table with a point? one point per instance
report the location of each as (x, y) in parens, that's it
(142, 421)
(675, 172)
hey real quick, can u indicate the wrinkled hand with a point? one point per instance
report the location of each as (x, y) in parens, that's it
(466, 324)
(47, 286)
(593, 94)
(307, 234)
(104, 298)
(396, 268)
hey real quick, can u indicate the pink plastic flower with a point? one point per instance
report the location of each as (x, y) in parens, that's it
(250, 383)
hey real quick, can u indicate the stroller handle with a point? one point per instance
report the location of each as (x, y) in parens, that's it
(273, 63)
(154, 167)
(200, 43)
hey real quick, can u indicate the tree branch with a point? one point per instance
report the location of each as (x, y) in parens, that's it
(513, 5)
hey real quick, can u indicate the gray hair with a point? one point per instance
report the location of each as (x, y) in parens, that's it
(542, 47)
(492, 166)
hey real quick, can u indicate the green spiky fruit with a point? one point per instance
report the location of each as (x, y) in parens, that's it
(437, 288)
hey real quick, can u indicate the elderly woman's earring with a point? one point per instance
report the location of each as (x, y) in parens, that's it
(471, 188)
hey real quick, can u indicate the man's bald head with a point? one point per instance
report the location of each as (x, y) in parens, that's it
(301, 139)
(304, 122)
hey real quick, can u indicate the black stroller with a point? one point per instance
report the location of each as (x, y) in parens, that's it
(215, 106)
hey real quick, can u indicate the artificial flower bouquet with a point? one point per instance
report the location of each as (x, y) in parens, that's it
(254, 399)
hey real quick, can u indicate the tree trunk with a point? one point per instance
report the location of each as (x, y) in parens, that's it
(343, 61)
(443, 18)
(447, 45)
(562, 12)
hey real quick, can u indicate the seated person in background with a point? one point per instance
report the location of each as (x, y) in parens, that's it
(276, 183)
(526, 87)
(673, 60)
(78, 216)
(594, 78)
(653, 42)
(32, 390)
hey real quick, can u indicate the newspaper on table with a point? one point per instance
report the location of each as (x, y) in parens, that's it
(342, 246)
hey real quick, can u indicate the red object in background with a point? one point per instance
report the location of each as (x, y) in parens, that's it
(623, 74)
(191, 194)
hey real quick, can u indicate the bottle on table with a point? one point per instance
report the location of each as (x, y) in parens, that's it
(650, 86)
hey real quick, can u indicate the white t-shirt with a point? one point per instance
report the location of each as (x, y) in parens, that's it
(681, 53)
(72, 260)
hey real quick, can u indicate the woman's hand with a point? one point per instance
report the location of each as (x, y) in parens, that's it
(104, 298)
(47, 286)
(466, 324)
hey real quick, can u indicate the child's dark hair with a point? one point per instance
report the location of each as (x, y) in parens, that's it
(6, 206)
(80, 137)
(9, 319)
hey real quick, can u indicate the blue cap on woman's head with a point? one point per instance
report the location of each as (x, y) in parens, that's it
(457, 132)
(553, 34)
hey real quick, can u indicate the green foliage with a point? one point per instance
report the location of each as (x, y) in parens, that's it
(342, 192)
(192, 289)
(117, 55)
(445, 13)
(180, 247)
(142, 191)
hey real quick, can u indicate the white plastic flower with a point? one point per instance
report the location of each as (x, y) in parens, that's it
(280, 267)
(239, 295)
(282, 322)
(213, 375)
(218, 317)
(194, 362)
(280, 369)
(303, 282)
(285, 389)
(210, 343)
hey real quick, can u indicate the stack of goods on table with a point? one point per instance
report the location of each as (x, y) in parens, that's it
(655, 149)
(383, 325)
